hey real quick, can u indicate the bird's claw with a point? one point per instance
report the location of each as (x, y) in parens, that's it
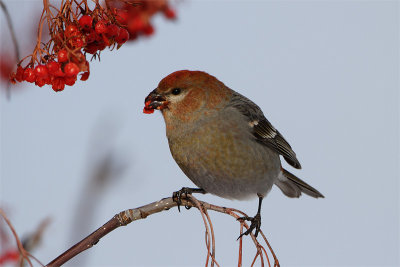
(177, 196)
(255, 224)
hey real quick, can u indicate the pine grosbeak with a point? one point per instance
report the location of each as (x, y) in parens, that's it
(222, 141)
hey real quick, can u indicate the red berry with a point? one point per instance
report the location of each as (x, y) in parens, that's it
(71, 69)
(169, 13)
(19, 76)
(77, 42)
(90, 36)
(41, 71)
(95, 46)
(11, 79)
(40, 81)
(78, 58)
(29, 75)
(85, 76)
(147, 109)
(59, 37)
(101, 46)
(53, 67)
(86, 22)
(70, 80)
(148, 30)
(58, 84)
(106, 41)
(122, 37)
(91, 48)
(62, 55)
(112, 31)
(71, 30)
(122, 16)
(101, 27)
(135, 25)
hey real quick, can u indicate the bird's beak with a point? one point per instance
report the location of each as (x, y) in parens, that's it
(154, 101)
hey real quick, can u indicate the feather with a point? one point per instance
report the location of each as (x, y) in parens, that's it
(292, 186)
(262, 129)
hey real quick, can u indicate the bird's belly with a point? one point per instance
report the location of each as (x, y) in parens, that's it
(226, 164)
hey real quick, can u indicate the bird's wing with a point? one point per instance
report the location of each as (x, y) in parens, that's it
(263, 130)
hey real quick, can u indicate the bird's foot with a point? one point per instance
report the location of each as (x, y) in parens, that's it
(177, 196)
(255, 224)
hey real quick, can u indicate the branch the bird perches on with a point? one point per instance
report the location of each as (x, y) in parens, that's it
(125, 217)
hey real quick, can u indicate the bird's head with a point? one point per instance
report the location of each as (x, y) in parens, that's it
(187, 95)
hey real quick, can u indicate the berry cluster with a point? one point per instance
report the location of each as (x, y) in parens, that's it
(77, 31)
(56, 73)
(136, 18)
(100, 34)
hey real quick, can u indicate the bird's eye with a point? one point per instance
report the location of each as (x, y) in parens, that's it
(176, 91)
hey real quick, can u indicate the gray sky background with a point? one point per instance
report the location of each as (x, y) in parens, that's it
(325, 73)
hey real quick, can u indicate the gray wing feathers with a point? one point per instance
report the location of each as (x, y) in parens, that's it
(263, 130)
(272, 138)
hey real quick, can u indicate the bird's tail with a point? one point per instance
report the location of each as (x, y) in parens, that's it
(292, 186)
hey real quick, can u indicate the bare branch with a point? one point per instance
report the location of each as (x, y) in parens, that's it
(125, 217)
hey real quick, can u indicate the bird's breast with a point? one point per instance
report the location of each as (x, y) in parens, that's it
(222, 157)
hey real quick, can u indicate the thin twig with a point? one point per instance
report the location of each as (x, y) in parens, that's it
(270, 249)
(213, 240)
(209, 235)
(25, 254)
(11, 28)
(266, 254)
(254, 260)
(240, 247)
(261, 257)
(233, 212)
(210, 238)
(14, 40)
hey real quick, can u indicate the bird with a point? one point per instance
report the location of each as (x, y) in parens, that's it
(222, 141)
